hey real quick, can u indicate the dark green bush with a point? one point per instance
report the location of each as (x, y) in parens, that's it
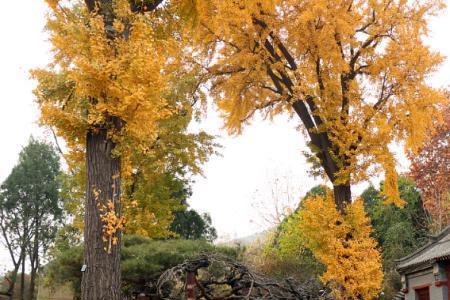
(143, 261)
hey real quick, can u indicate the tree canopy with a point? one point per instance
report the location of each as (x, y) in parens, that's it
(354, 72)
(136, 78)
(124, 65)
(431, 171)
(126, 75)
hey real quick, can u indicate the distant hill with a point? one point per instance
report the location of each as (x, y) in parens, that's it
(248, 240)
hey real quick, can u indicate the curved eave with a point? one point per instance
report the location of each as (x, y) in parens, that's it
(402, 264)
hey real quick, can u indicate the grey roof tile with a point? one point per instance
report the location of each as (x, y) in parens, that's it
(438, 248)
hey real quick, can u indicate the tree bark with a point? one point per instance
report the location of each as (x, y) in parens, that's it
(33, 277)
(101, 280)
(13, 280)
(22, 278)
(342, 196)
(34, 261)
(32, 283)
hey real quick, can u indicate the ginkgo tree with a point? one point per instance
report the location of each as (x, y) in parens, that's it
(117, 85)
(354, 72)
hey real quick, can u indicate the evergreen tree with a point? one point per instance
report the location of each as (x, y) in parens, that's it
(191, 225)
(30, 208)
(399, 231)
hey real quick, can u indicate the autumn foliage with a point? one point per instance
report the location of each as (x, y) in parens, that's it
(138, 86)
(343, 243)
(353, 72)
(120, 92)
(94, 78)
(431, 172)
(125, 76)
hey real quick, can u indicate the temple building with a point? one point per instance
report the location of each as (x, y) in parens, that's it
(426, 273)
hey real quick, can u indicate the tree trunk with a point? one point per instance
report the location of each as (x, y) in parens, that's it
(342, 196)
(32, 283)
(101, 279)
(33, 276)
(13, 280)
(34, 261)
(22, 279)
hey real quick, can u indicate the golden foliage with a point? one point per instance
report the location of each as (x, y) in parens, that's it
(94, 78)
(112, 224)
(357, 69)
(133, 78)
(52, 3)
(154, 205)
(130, 78)
(343, 244)
(391, 184)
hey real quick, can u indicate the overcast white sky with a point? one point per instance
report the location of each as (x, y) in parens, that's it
(249, 163)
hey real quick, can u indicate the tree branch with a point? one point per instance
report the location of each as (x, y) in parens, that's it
(90, 5)
(144, 6)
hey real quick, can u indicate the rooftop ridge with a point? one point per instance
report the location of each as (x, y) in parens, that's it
(434, 240)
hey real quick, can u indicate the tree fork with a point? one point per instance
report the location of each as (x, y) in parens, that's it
(342, 196)
(342, 193)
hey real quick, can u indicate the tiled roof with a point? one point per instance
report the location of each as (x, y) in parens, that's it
(399, 296)
(437, 249)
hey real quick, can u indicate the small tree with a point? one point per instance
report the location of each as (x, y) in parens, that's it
(189, 224)
(31, 208)
(14, 234)
(285, 253)
(430, 169)
(275, 205)
(343, 244)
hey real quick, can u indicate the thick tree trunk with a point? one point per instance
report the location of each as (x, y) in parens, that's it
(101, 279)
(342, 196)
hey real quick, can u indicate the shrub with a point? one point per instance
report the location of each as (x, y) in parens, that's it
(143, 261)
